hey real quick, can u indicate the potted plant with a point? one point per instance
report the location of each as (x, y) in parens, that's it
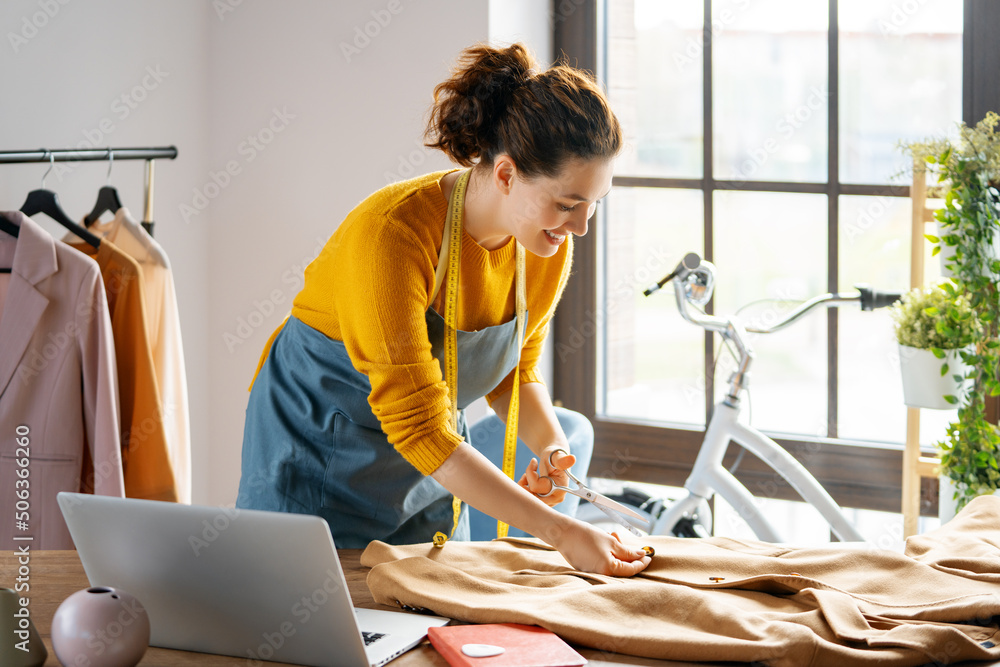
(934, 327)
(968, 173)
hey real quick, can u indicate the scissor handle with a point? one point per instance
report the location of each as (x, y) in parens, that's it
(551, 464)
(552, 486)
(552, 483)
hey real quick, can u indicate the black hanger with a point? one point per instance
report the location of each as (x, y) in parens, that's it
(107, 197)
(12, 229)
(107, 200)
(8, 226)
(45, 201)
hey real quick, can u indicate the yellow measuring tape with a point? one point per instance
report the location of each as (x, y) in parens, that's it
(510, 433)
(453, 232)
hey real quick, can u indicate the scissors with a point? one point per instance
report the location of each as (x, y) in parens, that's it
(613, 509)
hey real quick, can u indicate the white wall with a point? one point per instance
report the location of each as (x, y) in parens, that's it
(285, 114)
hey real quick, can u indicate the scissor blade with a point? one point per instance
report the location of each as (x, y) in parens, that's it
(604, 501)
(619, 519)
(600, 500)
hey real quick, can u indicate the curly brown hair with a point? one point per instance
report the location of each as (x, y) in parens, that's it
(497, 102)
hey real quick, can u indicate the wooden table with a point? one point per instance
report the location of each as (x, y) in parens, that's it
(55, 575)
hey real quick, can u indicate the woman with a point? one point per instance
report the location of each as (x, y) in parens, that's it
(350, 414)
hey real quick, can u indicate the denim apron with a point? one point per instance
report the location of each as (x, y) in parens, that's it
(311, 444)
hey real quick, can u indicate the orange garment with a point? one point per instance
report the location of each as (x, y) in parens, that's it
(371, 285)
(163, 324)
(145, 457)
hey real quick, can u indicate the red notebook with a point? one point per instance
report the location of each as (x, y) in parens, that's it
(524, 646)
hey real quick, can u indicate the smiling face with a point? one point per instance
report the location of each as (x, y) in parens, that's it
(541, 212)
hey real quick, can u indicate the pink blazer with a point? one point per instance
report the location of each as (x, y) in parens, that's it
(58, 387)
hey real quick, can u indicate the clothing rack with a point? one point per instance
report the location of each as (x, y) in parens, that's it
(103, 155)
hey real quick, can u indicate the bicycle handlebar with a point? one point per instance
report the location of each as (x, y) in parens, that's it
(869, 298)
(829, 300)
(872, 299)
(694, 281)
(690, 262)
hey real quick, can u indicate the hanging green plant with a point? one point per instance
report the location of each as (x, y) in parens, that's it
(968, 173)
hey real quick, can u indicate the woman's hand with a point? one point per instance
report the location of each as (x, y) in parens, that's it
(555, 462)
(470, 476)
(589, 549)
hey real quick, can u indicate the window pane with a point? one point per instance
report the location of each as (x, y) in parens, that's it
(875, 249)
(773, 246)
(653, 359)
(901, 75)
(770, 90)
(900, 80)
(654, 84)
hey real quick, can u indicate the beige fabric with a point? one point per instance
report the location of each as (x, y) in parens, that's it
(164, 325)
(772, 604)
(58, 379)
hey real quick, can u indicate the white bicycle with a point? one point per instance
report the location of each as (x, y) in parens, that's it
(690, 516)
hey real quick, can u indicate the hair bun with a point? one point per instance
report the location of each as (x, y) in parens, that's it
(469, 105)
(511, 67)
(497, 102)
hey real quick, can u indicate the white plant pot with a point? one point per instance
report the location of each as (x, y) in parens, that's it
(947, 505)
(923, 384)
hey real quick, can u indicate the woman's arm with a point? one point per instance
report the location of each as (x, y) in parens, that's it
(537, 423)
(472, 477)
(538, 427)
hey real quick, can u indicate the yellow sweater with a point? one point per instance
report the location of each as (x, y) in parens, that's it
(371, 285)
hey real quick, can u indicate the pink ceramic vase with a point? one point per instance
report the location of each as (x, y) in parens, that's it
(104, 626)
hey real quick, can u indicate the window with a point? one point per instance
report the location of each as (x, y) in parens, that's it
(763, 135)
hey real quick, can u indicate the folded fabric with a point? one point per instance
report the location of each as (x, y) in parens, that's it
(720, 599)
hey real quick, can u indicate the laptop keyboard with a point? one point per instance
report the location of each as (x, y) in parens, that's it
(372, 637)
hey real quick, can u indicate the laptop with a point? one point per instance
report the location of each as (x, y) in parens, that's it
(253, 584)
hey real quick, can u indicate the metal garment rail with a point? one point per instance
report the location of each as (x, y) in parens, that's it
(109, 154)
(85, 154)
